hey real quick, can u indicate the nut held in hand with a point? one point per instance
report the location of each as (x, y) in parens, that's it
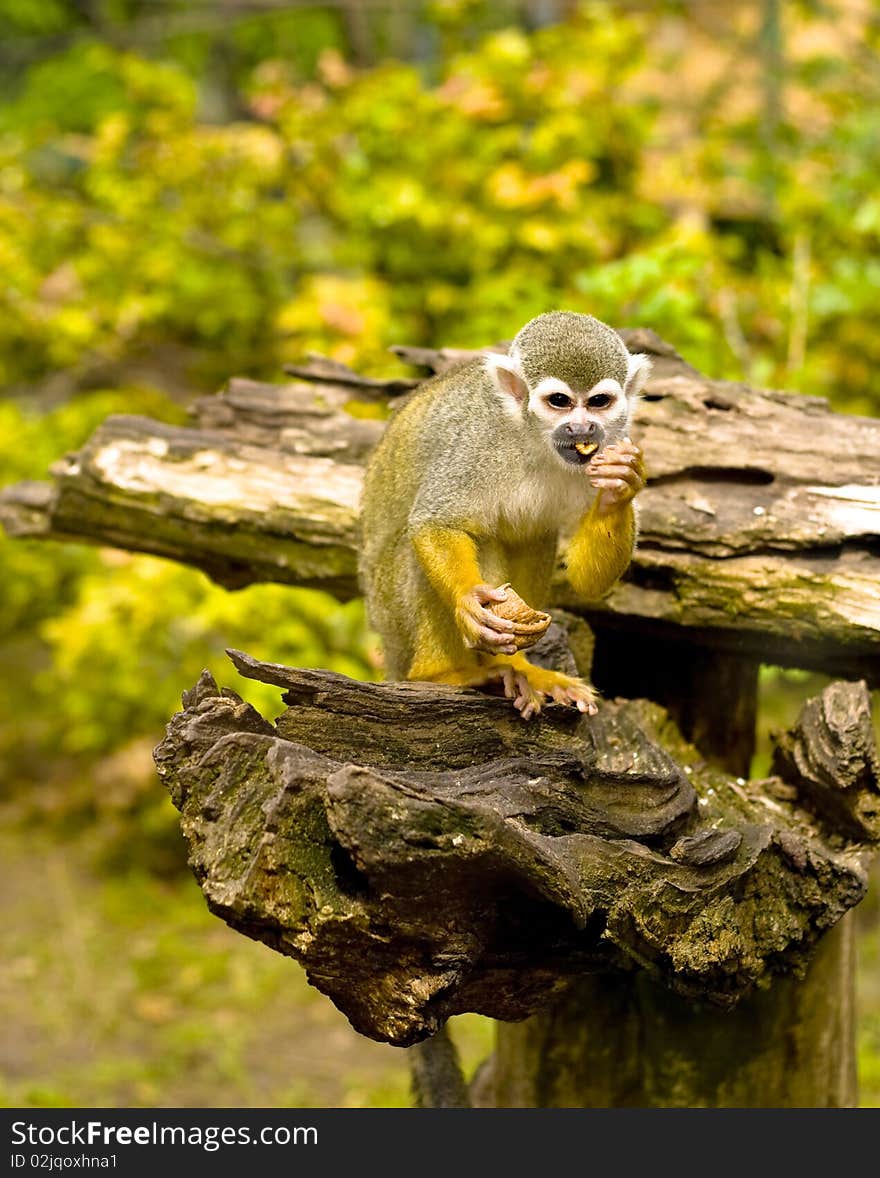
(529, 624)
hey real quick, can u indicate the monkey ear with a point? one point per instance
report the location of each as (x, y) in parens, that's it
(638, 369)
(507, 379)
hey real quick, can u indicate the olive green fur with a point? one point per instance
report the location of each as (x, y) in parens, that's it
(460, 455)
(442, 460)
(575, 348)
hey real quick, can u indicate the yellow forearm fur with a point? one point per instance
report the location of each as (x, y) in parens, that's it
(449, 558)
(601, 551)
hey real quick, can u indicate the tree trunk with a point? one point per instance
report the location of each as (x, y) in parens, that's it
(711, 694)
(625, 1042)
(422, 853)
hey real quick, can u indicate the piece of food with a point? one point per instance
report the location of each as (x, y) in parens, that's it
(586, 448)
(529, 624)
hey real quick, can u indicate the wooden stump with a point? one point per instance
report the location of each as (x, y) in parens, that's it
(422, 852)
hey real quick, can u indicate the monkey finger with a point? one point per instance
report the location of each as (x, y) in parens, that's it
(616, 454)
(632, 484)
(494, 644)
(636, 456)
(479, 637)
(524, 641)
(631, 457)
(471, 615)
(487, 620)
(484, 593)
(530, 708)
(615, 470)
(608, 484)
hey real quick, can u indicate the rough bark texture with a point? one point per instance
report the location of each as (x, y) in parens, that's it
(624, 1041)
(711, 694)
(423, 853)
(760, 526)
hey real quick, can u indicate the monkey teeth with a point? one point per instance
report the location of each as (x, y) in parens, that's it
(585, 449)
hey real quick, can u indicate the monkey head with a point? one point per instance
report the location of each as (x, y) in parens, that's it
(570, 377)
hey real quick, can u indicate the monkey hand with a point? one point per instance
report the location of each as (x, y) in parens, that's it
(618, 473)
(480, 628)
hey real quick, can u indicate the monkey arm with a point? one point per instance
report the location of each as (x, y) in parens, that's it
(601, 550)
(448, 557)
(603, 543)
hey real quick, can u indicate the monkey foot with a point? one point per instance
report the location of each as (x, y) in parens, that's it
(578, 693)
(528, 687)
(526, 700)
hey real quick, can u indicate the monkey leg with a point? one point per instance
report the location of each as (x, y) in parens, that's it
(441, 655)
(465, 676)
(455, 648)
(528, 687)
(449, 562)
(516, 686)
(529, 569)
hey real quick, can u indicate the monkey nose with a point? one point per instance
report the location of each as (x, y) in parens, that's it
(580, 429)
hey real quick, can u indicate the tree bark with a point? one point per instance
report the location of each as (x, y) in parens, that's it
(624, 1041)
(423, 853)
(627, 1041)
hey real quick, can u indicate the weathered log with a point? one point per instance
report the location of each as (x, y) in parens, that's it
(241, 513)
(831, 757)
(760, 526)
(422, 852)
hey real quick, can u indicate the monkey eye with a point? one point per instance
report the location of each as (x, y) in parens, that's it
(559, 401)
(600, 401)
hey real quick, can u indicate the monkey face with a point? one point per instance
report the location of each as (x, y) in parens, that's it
(580, 424)
(570, 376)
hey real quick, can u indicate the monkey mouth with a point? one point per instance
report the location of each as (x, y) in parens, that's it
(577, 453)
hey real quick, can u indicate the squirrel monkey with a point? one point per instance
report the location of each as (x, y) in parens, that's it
(469, 489)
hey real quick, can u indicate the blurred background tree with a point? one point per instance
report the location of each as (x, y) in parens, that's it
(191, 189)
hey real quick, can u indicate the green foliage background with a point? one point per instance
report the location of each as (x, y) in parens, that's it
(191, 190)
